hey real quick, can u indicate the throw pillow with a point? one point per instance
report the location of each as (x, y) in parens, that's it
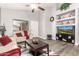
(5, 40)
(18, 34)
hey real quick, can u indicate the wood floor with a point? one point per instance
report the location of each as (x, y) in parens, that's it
(63, 48)
(59, 47)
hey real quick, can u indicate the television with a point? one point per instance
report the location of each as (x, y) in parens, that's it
(66, 29)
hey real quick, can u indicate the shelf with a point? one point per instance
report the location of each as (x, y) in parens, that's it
(64, 19)
(59, 12)
(66, 25)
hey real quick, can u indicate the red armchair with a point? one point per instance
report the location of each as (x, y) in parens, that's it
(21, 37)
(26, 34)
(13, 52)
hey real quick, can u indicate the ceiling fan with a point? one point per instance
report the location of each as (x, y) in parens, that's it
(34, 6)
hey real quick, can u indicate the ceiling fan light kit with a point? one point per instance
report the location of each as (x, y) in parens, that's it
(35, 6)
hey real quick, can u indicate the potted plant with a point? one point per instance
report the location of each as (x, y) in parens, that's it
(65, 6)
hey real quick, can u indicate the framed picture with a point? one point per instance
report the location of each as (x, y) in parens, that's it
(51, 18)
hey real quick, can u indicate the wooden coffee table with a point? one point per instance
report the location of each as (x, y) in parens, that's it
(37, 47)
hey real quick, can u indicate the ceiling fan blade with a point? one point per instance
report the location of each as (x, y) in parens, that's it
(27, 5)
(32, 10)
(41, 8)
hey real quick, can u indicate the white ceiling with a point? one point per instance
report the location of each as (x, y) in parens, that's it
(22, 6)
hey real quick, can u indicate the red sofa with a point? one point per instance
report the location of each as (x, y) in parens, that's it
(10, 49)
(13, 52)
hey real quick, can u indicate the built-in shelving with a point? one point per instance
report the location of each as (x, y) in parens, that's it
(59, 12)
(66, 18)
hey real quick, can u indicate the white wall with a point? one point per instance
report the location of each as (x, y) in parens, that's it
(54, 30)
(7, 15)
(34, 29)
(42, 26)
(47, 27)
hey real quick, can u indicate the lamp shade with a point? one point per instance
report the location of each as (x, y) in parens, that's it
(2, 28)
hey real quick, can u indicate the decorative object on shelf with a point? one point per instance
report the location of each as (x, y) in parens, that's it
(65, 6)
(68, 22)
(51, 18)
(59, 17)
(72, 21)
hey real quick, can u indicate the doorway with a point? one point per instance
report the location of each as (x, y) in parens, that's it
(20, 25)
